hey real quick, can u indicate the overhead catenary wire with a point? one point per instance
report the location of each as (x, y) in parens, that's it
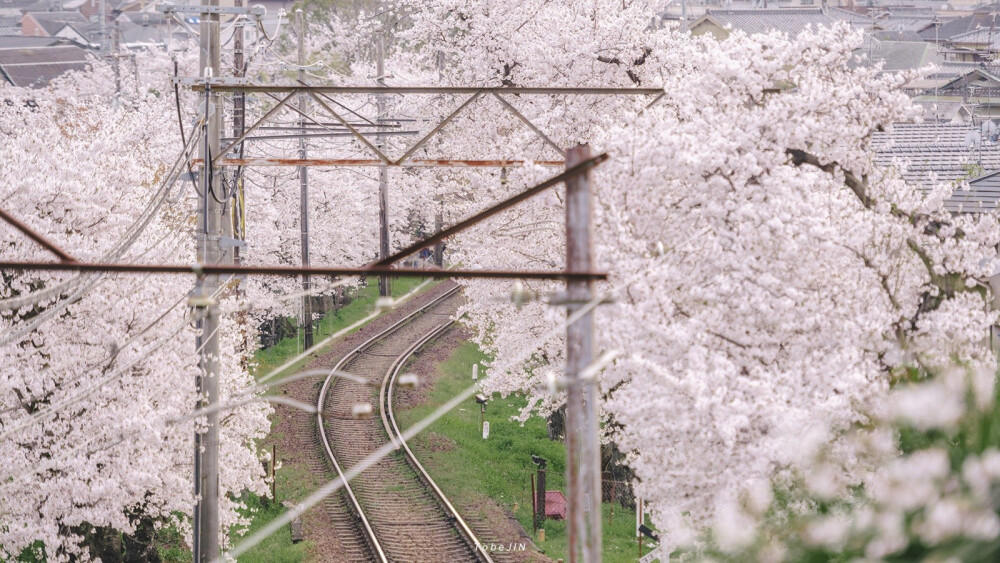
(118, 373)
(88, 284)
(118, 348)
(118, 250)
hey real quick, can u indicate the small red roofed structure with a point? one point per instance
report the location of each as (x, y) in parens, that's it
(555, 505)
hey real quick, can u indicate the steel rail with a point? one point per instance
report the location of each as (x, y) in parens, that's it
(389, 421)
(355, 504)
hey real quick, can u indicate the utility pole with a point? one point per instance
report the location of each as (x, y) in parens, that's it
(116, 53)
(307, 328)
(239, 124)
(102, 20)
(582, 444)
(206, 513)
(383, 170)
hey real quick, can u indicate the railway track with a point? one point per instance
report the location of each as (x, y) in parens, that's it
(393, 511)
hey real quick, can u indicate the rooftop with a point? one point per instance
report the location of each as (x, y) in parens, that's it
(788, 21)
(52, 22)
(35, 66)
(931, 153)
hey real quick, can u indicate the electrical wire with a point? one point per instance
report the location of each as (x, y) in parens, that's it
(34, 322)
(117, 251)
(277, 27)
(118, 373)
(180, 125)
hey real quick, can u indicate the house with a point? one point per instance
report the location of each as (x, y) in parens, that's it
(983, 18)
(975, 45)
(979, 196)
(54, 24)
(910, 19)
(36, 66)
(929, 153)
(979, 88)
(14, 7)
(720, 22)
(791, 21)
(900, 55)
(10, 25)
(953, 112)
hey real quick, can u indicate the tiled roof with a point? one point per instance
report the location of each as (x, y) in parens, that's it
(960, 25)
(133, 34)
(903, 55)
(930, 153)
(36, 66)
(21, 41)
(897, 35)
(11, 5)
(143, 18)
(935, 110)
(858, 20)
(52, 22)
(981, 195)
(789, 21)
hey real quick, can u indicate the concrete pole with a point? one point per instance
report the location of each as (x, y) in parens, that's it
(307, 328)
(582, 444)
(383, 171)
(102, 20)
(206, 530)
(116, 64)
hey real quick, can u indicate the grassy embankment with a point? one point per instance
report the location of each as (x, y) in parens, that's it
(293, 481)
(468, 468)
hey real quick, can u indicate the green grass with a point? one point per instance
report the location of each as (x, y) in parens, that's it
(362, 305)
(500, 467)
(294, 481)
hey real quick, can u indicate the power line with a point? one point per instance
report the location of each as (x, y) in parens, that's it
(118, 250)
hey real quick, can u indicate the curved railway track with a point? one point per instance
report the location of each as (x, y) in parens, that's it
(393, 511)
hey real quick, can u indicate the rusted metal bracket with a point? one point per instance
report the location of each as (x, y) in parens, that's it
(37, 237)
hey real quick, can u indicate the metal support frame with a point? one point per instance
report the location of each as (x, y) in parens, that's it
(252, 128)
(578, 168)
(368, 162)
(204, 9)
(36, 236)
(206, 269)
(215, 261)
(307, 328)
(530, 125)
(318, 93)
(224, 85)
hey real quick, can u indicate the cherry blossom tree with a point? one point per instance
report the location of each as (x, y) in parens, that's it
(770, 283)
(97, 383)
(768, 277)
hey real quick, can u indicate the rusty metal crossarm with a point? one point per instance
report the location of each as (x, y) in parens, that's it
(530, 125)
(503, 205)
(253, 127)
(362, 162)
(219, 85)
(439, 127)
(37, 237)
(208, 269)
(351, 128)
(321, 125)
